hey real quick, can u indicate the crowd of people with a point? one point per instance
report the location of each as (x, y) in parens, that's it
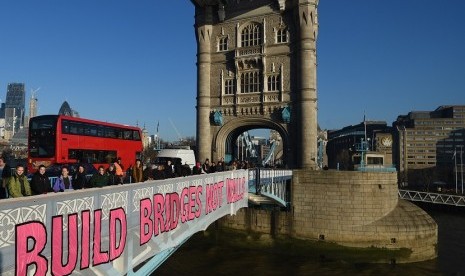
(18, 185)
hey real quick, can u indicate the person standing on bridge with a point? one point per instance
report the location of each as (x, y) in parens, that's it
(197, 169)
(220, 165)
(40, 183)
(111, 173)
(80, 179)
(206, 166)
(99, 179)
(5, 174)
(64, 182)
(119, 171)
(138, 172)
(18, 186)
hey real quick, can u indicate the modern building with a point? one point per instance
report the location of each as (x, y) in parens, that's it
(344, 145)
(428, 144)
(15, 106)
(2, 110)
(66, 110)
(32, 108)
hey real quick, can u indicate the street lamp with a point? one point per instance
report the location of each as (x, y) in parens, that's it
(455, 168)
(461, 164)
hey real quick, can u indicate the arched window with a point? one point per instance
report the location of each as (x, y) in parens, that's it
(250, 35)
(229, 87)
(281, 35)
(223, 44)
(274, 83)
(250, 82)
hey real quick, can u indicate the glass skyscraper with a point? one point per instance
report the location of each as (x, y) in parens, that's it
(15, 106)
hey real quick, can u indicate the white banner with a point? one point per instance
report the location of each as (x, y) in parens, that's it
(111, 230)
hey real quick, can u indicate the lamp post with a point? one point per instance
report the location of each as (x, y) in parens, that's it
(455, 168)
(461, 165)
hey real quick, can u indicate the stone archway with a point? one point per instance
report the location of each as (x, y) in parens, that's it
(234, 127)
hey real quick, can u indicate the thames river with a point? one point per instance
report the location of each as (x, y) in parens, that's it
(234, 253)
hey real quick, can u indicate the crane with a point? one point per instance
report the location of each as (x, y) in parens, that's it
(33, 93)
(175, 129)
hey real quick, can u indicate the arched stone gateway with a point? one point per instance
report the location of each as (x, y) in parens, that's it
(228, 133)
(256, 64)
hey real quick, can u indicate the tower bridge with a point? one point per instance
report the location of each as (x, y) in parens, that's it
(256, 69)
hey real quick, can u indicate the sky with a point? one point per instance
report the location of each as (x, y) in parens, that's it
(134, 61)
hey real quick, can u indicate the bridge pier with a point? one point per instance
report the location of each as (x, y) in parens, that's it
(356, 209)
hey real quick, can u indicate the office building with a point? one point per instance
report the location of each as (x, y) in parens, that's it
(15, 106)
(343, 145)
(426, 142)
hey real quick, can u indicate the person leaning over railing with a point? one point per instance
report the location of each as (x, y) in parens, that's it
(40, 183)
(138, 172)
(64, 182)
(80, 179)
(99, 179)
(18, 186)
(111, 173)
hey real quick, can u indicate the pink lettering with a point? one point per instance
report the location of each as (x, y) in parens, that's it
(199, 201)
(117, 216)
(37, 232)
(158, 221)
(85, 239)
(145, 221)
(99, 256)
(57, 246)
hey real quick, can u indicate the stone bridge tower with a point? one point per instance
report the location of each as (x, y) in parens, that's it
(256, 68)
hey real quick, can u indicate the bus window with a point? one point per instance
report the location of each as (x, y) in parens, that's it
(136, 135)
(128, 134)
(42, 137)
(110, 132)
(65, 127)
(119, 134)
(100, 131)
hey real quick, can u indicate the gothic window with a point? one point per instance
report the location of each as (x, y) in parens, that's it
(274, 83)
(223, 44)
(281, 35)
(250, 82)
(250, 35)
(229, 87)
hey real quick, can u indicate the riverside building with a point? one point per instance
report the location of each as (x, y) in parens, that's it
(426, 142)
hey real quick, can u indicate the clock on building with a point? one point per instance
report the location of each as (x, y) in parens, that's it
(386, 141)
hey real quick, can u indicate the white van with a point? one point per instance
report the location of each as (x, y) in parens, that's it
(186, 156)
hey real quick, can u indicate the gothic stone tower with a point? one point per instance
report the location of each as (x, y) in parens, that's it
(256, 68)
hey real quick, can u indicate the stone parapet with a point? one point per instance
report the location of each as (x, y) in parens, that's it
(360, 209)
(356, 209)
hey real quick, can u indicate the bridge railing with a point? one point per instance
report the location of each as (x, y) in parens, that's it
(272, 183)
(429, 197)
(112, 230)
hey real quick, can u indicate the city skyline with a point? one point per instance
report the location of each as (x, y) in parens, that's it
(131, 63)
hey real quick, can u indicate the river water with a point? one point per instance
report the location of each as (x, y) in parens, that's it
(233, 253)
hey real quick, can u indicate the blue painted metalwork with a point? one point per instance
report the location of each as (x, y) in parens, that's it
(217, 118)
(435, 198)
(156, 261)
(372, 168)
(362, 147)
(273, 184)
(286, 115)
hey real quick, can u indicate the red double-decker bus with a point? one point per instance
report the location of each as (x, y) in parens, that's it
(58, 139)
